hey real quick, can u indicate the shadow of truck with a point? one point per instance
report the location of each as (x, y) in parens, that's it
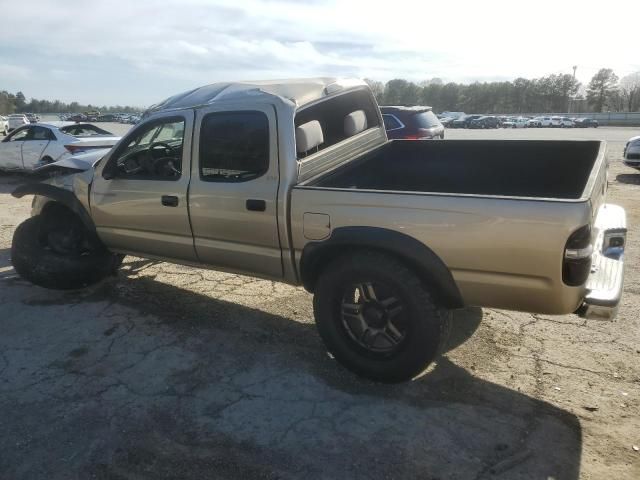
(142, 379)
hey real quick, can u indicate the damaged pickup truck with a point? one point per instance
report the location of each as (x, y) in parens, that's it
(295, 181)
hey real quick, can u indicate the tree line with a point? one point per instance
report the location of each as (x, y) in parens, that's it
(553, 93)
(557, 93)
(17, 103)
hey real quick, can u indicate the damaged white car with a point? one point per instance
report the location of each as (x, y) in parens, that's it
(33, 147)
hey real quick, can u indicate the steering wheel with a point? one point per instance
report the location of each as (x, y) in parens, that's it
(168, 150)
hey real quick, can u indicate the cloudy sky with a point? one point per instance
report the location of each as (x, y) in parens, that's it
(139, 52)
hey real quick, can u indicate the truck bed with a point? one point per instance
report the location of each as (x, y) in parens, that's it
(538, 169)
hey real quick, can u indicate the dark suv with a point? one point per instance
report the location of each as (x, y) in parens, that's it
(464, 122)
(487, 121)
(411, 123)
(585, 123)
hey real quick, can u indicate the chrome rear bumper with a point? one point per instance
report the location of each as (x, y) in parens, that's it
(604, 285)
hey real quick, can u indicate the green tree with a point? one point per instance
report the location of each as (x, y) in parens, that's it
(601, 88)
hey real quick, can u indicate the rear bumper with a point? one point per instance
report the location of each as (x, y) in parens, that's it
(604, 285)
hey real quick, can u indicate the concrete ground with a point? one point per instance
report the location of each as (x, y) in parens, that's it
(172, 372)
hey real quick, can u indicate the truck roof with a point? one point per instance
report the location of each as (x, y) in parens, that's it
(299, 91)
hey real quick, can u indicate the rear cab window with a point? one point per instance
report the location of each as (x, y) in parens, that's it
(331, 114)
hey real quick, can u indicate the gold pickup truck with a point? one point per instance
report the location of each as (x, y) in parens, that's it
(295, 181)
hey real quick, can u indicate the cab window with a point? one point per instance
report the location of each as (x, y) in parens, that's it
(234, 146)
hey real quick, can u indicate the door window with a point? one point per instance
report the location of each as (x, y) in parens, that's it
(234, 146)
(19, 135)
(39, 134)
(152, 153)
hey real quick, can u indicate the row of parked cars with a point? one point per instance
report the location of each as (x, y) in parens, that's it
(128, 118)
(15, 120)
(462, 120)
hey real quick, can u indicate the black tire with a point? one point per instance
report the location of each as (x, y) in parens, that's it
(421, 325)
(35, 260)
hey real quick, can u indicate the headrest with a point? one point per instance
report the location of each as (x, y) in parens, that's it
(355, 123)
(308, 135)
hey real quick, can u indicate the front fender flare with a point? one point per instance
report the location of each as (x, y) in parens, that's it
(65, 197)
(413, 253)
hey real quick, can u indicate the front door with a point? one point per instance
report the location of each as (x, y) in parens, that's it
(34, 146)
(139, 194)
(11, 150)
(234, 189)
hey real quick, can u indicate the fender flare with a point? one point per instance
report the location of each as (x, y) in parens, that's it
(413, 253)
(60, 195)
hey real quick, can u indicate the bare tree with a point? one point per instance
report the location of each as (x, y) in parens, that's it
(630, 91)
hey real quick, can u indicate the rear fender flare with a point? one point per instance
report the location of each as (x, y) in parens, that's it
(60, 195)
(413, 253)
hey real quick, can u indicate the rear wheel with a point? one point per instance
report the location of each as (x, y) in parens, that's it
(57, 251)
(377, 318)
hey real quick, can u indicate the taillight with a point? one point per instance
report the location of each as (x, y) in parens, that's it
(577, 257)
(74, 148)
(412, 137)
(79, 147)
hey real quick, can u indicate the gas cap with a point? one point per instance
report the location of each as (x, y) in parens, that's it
(316, 226)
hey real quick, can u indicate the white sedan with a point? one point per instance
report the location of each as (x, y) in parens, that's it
(30, 147)
(4, 125)
(632, 153)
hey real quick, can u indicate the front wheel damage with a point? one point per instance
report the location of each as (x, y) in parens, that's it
(56, 250)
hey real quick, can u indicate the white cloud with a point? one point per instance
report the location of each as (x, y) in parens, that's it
(193, 42)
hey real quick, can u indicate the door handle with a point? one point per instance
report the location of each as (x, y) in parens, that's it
(170, 200)
(256, 205)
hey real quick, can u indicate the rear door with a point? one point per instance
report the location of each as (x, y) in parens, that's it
(234, 188)
(141, 205)
(34, 146)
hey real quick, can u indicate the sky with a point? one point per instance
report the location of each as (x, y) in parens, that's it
(138, 52)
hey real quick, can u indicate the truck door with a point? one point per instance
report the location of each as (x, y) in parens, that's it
(234, 189)
(139, 194)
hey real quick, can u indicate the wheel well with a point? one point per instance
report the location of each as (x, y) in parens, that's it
(424, 264)
(56, 209)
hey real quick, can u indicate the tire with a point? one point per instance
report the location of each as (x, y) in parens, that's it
(35, 260)
(353, 299)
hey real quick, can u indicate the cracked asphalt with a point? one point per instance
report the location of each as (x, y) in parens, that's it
(170, 372)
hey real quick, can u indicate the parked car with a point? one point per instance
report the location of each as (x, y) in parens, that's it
(631, 153)
(16, 120)
(411, 123)
(463, 121)
(566, 122)
(515, 122)
(30, 147)
(78, 117)
(32, 117)
(295, 181)
(535, 122)
(486, 121)
(108, 117)
(4, 125)
(586, 122)
(452, 115)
